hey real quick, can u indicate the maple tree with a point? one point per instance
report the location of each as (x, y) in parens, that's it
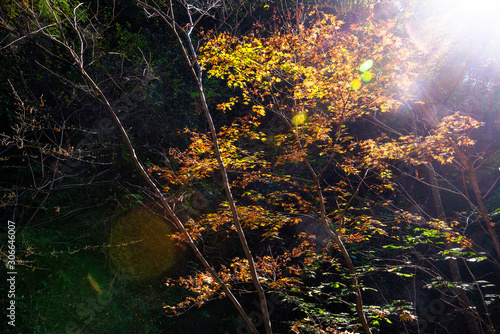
(316, 80)
(307, 215)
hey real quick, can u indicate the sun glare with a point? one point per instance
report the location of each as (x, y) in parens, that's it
(459, 24)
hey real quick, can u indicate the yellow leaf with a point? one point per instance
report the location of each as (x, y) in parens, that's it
(259, 110)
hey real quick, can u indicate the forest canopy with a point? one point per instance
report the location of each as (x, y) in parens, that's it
(250, 166)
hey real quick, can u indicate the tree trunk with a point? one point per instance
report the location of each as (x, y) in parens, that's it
(481, 207)
(79, 63)
(454, 269)
(336, 239)
(190, 56)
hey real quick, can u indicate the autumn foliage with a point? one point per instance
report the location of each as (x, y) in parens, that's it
(307, 176)
(295, 163)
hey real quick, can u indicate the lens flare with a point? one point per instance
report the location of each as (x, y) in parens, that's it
(356, 84)
(140, 241)
(448, 26)
(367, 76)
(94, 284)
(300, 118)
(366, 66)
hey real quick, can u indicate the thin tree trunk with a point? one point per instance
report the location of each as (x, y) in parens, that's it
(78, 58)
(438, 206)
(191, 60)
(345, 254)
(336, 239)
(469, 169)
(454, 269)
(165, 204)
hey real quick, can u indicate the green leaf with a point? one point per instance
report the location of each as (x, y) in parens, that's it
(392, 247)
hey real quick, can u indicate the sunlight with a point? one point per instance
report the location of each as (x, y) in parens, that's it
(462, 25)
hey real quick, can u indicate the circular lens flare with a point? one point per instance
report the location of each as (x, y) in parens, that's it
(299, 119)
(140, 241)
(366, 66)
(367, 76)
(356, 84)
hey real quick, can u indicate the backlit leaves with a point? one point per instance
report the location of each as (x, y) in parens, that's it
(316, 81)
(307, 65)
(415, 150)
